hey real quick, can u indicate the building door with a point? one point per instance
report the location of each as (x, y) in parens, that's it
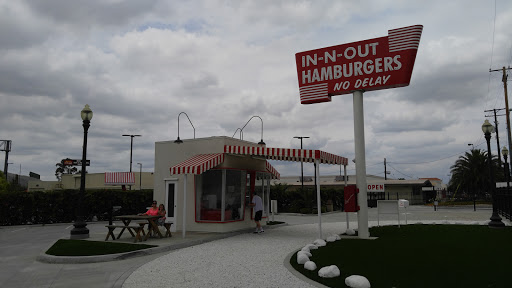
(171, 195)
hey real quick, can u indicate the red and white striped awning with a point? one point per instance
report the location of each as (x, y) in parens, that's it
(204, 162)
(119, 178)
(285, 154)
(272, 171)
(198, 164)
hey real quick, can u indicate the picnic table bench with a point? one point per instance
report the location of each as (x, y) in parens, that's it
(137, 231)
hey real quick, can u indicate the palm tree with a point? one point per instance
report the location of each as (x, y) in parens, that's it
(470, 173)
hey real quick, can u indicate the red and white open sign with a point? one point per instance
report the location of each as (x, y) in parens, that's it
(379, 63)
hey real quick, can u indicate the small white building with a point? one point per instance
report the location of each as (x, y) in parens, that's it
(206, 184)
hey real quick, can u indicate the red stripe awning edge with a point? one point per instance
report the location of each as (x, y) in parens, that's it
(286, 154)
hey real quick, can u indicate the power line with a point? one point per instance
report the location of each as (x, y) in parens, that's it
(399, 171)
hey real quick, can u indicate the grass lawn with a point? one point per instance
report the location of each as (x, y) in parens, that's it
(420, 256)
(68, 247)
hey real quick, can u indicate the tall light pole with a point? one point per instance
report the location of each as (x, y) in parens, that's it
(301, 163)
(504, 152)
(495, 222)
(80, 231)
(131, 149)
(140, 176)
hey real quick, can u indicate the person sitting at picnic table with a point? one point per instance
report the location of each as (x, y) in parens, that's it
(153, 211)
(161, 212)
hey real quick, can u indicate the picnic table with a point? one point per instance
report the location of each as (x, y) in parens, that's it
(137, 231)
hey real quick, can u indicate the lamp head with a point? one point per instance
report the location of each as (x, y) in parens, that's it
(487, 127)
(86, 113)
(504, 151)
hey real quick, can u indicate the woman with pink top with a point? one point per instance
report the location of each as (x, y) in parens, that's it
(153, 211)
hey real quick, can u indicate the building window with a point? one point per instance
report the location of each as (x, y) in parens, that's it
(219, 195)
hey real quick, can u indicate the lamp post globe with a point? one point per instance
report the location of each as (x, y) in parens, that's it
(495, 222)
(80, 230)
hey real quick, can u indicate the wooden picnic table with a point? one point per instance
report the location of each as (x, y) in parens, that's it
(152, 226)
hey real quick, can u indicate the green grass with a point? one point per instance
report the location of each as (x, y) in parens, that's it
(420, 256)
(68, 247)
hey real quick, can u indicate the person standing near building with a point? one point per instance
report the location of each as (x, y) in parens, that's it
(257, 204)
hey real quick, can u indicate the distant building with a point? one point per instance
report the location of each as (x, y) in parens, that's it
(92, 181)
(411, 190)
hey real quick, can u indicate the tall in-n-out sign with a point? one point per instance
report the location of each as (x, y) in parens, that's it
(379, 63)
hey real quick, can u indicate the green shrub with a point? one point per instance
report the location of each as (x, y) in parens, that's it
(18, 208)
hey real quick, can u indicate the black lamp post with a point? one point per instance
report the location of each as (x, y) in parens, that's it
(140, 176)
(301, 163)
(261, 142)
(504, 152)
(179, 141)
(495, 222)
(80, 231)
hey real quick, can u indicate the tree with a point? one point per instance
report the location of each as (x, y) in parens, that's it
(470, 173)
(4, 185)
(64, 169)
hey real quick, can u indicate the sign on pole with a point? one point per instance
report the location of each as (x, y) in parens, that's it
(374, 64)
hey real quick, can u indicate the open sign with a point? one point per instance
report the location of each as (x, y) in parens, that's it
(375, 188)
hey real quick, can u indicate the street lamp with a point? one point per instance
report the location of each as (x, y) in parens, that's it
(301, 163)
(140, 176)
(179, 141)
(504, 152)
(261, 142)
(495, 222)
(472, 146)
(80, 231)
(131, 149)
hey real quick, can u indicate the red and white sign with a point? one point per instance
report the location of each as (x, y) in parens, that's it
(372, 188)
(379, 63)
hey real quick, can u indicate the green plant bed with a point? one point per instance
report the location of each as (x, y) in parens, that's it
(68, 247)
(420, 256)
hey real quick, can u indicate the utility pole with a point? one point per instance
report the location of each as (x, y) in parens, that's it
(504, 79)
(385, 170)
(496, 126)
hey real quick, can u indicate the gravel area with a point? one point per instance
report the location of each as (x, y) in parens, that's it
(258, 260)
(246, 260)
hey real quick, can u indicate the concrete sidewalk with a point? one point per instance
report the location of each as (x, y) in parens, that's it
(21, 245)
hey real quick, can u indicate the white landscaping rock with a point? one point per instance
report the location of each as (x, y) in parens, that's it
(302, 258)
(311, 246)
(329, 272)
(331, 238)
(320, 242)
(356, 281)
(310, 265)
(350, 232)
(305, 253)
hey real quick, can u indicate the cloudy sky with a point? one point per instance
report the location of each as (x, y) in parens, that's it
(138, 64)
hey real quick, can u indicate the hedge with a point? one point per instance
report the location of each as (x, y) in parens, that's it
(18, 208)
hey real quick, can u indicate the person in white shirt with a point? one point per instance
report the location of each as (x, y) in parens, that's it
(257, 203)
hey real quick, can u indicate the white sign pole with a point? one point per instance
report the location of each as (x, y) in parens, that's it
(318, 202)
(183, 230)
(345, 179)
(362, 214)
